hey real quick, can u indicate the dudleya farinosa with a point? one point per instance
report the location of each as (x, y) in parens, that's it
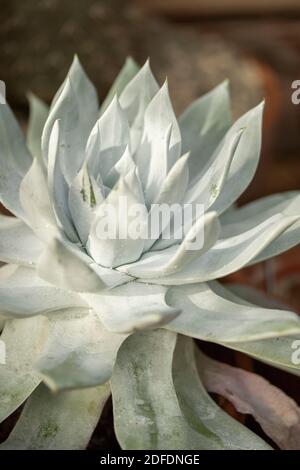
(85, 316)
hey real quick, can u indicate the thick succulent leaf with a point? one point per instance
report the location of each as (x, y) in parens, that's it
(123, 166)
(161, 130)
(119, 246)
(79, 352)
(93, 152)
(17, 377)
(176, 258)
(171, 193)
(219, 430)
(108, 140)
(274, 351)
(248, 295)
(250, 215)
(134, 100)
(208, 316)
(38, 113)
(278, 414)
(203, 125)
(58, 187)
(77, 108)
(24, 294)
(68, 268)
(18, 244)
(126, 74)
(131, 307)
(277, 352)
(152, 412)
(111, 277)
(246, 157)
(231, 253)
(146, 410)
(84, 195)
(36, 203)
(67, 109)
(63, 421)
(211, 180)
(15, 161)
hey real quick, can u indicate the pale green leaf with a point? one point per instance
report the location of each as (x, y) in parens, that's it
(132, 306)
(216, 428)
(38, 113)
(68, 268)
(18, 244)
(15, 161)
(230, 253)
(24, 294)
(209, 316)
(126, 74)
(78, 352)
(174, 259)
(146, 410)
(58, 187)
(17, 377)
(287, 203)
(110, 241)
(63, 421)
(203, 125)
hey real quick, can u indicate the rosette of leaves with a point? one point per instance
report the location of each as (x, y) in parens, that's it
(83, 317)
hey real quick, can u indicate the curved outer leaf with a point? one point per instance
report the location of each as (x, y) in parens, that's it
(250, 215)
(274, 351)
(38, 113)
(24, 294)
(177, 257)
(131, 307)
(209, 185)
(17, 377)
(126, 74)
(278, 415)
(203, 125)
(63, 421)
(152, 412)
(146, 411)
(211, 317)
(245, 161)
(201, 412)
(78, 351)
(18, 244)
(231, 253)
(15, 161)
(64, 266)
(36, 203)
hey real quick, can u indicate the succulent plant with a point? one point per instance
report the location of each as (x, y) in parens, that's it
(84, 317)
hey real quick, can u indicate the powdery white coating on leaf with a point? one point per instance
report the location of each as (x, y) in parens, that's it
(54, 422)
